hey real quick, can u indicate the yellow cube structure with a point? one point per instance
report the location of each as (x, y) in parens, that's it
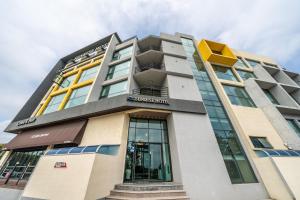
(216, 52)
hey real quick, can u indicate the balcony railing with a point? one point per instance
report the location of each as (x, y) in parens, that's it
(156, 48)
(152, 91)
(142, 68)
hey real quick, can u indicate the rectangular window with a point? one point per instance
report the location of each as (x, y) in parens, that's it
(238, 96)
(240, 63)
(118, 70)
(294, 125)
(245, 75)
(114, 89)
(67, 81)
(122, 53)
(252, 63)
(261, 142)
(224, 73)
(78, 96)
(54, 103)
(270, 96)
(88, 74)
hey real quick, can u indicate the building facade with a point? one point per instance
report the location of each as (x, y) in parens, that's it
(128, 119)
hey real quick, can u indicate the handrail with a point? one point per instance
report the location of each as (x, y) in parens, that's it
(142, 68)
(151, 91)
(150, 47)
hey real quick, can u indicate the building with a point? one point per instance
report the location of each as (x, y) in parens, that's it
(164, 116)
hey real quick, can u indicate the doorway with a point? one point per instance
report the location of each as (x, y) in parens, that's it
(148, 157)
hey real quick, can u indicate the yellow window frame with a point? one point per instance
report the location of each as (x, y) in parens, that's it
(68, 90)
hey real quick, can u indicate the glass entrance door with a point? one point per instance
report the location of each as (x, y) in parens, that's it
(147, 157)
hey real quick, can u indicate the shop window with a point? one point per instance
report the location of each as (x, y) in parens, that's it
(126, 52)
(261, 142)
(245, 75)
(20, 165)
(238, 96)
(270, 96)
(78, 96)
(88, 74)
(118, 70)
(114, 89)
(54, 103)
(224, 73)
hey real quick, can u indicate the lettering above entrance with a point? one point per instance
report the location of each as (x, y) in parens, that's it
(148, 100)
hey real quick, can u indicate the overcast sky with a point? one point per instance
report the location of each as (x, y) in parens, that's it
(35, 34)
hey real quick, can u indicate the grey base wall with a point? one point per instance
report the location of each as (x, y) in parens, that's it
(198, 163)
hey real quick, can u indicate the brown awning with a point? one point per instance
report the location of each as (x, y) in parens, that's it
(70, 132)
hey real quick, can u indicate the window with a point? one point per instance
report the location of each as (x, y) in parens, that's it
(224, 73)
(235, 159)
(114, 89)
(238, 96)
(261, 142)
(245, 75)
(118, 70)
(78, 96)
(67, 81)
(122, 53)
(109, 149)
(88, 74)
(253, 63)
(270, 96)
(294, 125)
(240, 63)
(54, 103)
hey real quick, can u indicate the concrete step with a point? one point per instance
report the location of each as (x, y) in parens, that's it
(149, 198)
(145, 194)
(149, 187)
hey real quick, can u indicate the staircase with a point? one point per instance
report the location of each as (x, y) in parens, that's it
(148, 191)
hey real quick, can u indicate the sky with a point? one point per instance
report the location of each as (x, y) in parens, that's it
(35, 34)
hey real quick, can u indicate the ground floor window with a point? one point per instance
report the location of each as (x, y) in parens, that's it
(20, 165)
(148, 155)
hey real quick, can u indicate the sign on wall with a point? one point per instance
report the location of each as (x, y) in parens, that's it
(26, 121)
(147, 100)
(60, 165)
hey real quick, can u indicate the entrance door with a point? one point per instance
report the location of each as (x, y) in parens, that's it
(147, 156)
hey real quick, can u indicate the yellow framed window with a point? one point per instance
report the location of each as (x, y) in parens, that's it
(88, 74)
(78, 96)
(54, 103)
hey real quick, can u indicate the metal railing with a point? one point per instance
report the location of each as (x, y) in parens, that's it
(142, 68)
(151, 91)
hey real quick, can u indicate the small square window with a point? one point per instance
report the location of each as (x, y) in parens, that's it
(261, 142)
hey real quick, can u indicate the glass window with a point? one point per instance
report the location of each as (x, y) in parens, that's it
(90, 149)
(261, 142)
(76, 150)
(67, 81)
(118, 70)
(238, 167)
(114, 89)
(54, 103)
(64, 150)
(109, 149)
(78, 96)
(293, 124)
(224, 73)
(88, 74)
(122, 53)
(240, 63)
(245, 75)
(238, 96)
(252, 63)
(270, 96)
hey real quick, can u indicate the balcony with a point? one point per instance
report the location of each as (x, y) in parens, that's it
(149, 43)
(151, 91)
(155, 66)
(150, 74)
